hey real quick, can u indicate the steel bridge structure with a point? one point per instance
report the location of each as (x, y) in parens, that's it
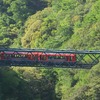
(84, 58)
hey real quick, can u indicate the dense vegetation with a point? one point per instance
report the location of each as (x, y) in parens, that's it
(53, 24)
(13, 14)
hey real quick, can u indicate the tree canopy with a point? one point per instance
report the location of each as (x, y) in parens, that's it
(50, 24)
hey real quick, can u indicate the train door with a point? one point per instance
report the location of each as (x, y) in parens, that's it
(68, 59)
(74, 58)
(1, 56)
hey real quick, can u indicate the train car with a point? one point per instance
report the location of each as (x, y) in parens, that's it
(17, 55)
(33, 58)
(18, 58)
(57, 58)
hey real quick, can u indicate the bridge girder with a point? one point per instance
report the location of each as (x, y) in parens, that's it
(84, 58)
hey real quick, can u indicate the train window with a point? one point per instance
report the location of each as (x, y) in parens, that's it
(50, 57)
(32, 57)
(17, 56)
(42, 57)
(6, 56)
(56, 57)
(36, 57)
(60, 57)
(23, 55)
(71, 58)
(14, 56)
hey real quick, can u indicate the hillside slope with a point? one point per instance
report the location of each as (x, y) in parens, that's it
(56, 24)
(71, 24)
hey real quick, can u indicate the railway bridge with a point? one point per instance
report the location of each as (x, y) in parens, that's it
(49, 58)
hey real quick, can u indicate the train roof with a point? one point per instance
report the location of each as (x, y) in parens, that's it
(51, 51)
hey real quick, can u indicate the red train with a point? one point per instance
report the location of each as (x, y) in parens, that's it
(37, 57)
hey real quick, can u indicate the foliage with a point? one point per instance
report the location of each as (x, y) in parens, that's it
(13, 14)
(50, 24)
(27, 84)
(61, 27)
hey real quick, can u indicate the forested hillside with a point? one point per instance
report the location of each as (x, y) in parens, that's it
(13, 14)
(67, 24)
(50, 24)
